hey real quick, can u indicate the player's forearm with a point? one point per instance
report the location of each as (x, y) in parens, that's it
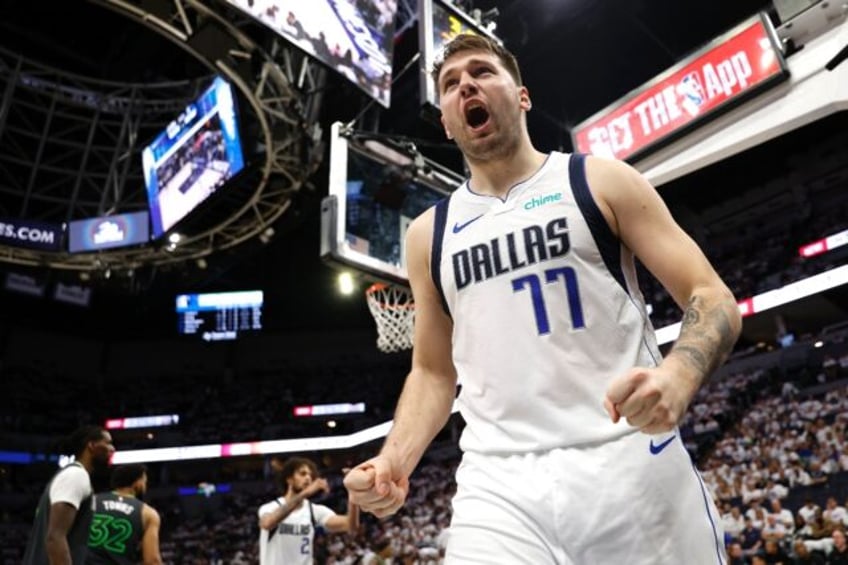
(711, 324)
(352, 518)
(152, 560)
(423, 409)
(270, 520)
(150, 554)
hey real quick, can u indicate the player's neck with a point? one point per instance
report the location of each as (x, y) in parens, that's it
(87, 463)
(125, 492)
(495, 177)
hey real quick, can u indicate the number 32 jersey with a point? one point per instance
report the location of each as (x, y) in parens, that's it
(546, 311)
(116, 529)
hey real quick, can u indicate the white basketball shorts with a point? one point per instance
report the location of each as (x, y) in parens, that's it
(637, 500)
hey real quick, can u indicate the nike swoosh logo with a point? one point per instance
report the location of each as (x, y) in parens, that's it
(657, 449)
(457, 227)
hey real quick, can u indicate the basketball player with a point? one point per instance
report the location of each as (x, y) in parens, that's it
(124, 529)
(525, 290)
(60, 528)
(287, 524)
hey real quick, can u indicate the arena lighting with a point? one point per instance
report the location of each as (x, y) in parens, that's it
(215, 451)
(25, 457)
(824, 244)
(329, 409)
(774, 298)
(345, 282)
(142, 422)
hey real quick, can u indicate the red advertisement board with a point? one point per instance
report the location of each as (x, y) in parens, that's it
(732, 67)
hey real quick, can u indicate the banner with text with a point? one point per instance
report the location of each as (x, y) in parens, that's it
(740, 63)
(28, 233)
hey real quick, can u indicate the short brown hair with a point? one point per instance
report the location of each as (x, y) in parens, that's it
(473, 42)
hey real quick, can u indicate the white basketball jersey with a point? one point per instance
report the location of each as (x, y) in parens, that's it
(546, 311)
(290, 543)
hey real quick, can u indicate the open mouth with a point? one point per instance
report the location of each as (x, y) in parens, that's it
(476, 116)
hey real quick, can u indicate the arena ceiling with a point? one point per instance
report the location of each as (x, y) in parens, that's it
(577, 56)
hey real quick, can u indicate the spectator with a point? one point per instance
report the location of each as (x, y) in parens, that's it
(804, 556)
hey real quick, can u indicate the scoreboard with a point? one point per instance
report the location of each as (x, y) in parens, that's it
(218, 316)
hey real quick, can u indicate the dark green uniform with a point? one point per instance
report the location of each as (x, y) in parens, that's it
(116, 530)
(36, 551)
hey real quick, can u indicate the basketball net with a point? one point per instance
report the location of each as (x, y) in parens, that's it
(394, 312)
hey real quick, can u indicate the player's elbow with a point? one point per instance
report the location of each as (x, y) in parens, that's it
(734, 316)
(719, 297)
(53, 539)
(153, 560)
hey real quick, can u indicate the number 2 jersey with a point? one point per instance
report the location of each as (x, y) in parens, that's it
(290, 542)
(546, 311)
(116, 530)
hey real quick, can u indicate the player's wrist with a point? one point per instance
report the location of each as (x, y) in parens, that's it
(401, 464)
(685, 373)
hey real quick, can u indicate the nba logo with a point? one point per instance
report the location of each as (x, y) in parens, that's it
(692, 92)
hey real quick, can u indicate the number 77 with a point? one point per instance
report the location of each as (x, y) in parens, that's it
(572, 291)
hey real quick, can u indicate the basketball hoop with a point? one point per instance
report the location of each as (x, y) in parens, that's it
(394, 312)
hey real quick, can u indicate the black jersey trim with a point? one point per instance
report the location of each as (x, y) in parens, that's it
(608, 244)
(439, 224)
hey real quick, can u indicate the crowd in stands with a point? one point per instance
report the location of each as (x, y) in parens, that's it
(754, 243)
(257, 405)
(770, 443)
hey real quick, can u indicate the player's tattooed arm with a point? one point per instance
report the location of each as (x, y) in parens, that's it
(707, 333)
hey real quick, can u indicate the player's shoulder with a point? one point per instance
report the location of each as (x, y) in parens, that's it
(73, 474)
(149, 512)
(420, 231)
(268, 507)
(424, 221)
(71, 484)
(322, 508)
(606, 169)
(609, 171)
(615, 181)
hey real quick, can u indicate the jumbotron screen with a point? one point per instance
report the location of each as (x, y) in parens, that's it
(195, 155)
(354, 38)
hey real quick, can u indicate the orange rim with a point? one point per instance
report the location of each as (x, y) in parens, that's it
(377, 286)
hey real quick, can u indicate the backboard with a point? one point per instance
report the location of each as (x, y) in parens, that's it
(378, 185)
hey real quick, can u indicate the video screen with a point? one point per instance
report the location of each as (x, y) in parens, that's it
(195, 155)
(438, 24)
(354, 38)
(216, 316)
